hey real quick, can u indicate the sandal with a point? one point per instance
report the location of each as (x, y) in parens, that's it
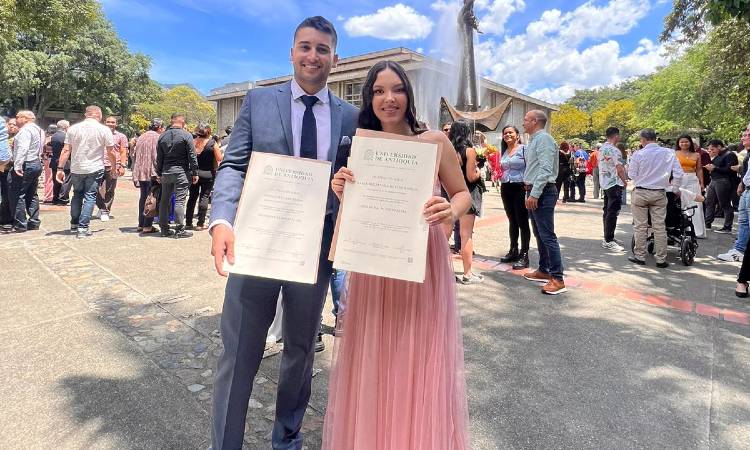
(741, 294)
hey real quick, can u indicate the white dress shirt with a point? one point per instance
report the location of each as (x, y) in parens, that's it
(651, 167)
(322, 113)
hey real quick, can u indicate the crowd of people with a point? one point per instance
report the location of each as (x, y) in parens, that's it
(90, 156)
(177, 169)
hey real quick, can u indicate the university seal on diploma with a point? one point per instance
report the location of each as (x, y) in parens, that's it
(279, 223)
(381, 229)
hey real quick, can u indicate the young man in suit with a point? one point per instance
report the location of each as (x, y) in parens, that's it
(298, 118)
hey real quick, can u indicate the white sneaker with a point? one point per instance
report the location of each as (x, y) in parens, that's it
(612, 245)
(473, 279)
(732, 255)
(104, 217)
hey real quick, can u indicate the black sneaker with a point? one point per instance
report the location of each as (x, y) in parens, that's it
(182, 234)
(167, 233)
(723, 230)
(635, 260)
(662, 265)
(319, 344)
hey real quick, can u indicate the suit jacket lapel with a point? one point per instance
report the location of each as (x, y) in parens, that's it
(336, 119)
(284, 101)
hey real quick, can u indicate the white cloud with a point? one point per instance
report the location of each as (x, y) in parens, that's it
(397, 22)
(442, 5)
(494, 14)
(548, 60)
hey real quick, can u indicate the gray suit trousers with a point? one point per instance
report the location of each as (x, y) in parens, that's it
(249, 309)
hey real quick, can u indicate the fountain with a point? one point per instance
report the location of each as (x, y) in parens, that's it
(467, 105)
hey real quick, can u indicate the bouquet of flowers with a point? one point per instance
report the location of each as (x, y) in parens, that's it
(483, 152)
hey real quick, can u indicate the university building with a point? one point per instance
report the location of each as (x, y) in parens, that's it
(431, 80)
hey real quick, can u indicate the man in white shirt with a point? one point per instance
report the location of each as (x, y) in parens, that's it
(27, 167)
(85, 143)
(650, 169)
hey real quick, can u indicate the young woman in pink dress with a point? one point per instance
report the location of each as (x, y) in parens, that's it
(397, 381)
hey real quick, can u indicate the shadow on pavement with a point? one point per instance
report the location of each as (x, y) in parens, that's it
(572, 372)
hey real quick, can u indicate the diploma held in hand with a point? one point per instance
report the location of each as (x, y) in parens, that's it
(381, 228)
(279, 223)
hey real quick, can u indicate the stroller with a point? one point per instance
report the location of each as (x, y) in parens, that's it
(680, 231)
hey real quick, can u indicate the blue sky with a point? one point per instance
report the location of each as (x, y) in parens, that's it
(543, 48)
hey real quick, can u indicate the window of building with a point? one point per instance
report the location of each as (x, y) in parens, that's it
(353, 93)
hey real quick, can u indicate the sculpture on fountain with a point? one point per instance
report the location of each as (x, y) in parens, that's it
(467, 106)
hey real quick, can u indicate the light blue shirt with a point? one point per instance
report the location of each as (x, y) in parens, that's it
(4, 153)
(27, 145)
(322, 113)
(542, 161)
(513, 166)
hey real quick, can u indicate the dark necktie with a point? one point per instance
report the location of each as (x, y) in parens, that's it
(309, 138)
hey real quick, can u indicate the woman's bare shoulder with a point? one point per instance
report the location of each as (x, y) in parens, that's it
(437, 137)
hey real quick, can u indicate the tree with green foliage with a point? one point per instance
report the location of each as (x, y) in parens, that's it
(66, 55)
(589, 100)
(616, 113)
(690, 17)
(180, 99)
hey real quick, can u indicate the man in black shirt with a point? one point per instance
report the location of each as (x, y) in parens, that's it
(60, 191)
(722, 187)
(176, 167)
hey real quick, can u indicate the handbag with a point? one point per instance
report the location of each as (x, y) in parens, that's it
(151, 206)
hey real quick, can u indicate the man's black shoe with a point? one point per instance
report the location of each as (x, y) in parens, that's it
(635, 260)
(511, 256)
(182, 234)
(662, 265)
(522, 262)
(319, 345)
(167, 233)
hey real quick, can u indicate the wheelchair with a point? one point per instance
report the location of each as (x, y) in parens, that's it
(680, 230)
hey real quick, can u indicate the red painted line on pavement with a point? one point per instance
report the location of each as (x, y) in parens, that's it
(707, 310)
(736, 317)
(660, 301)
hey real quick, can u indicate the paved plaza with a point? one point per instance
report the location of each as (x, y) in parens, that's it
(111, 343)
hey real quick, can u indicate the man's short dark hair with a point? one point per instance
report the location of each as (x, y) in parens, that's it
(321, 24)
(718, 143)
(648, 134)
(175, 116)
(611, 132)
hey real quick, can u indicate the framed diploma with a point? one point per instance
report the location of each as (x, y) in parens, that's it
(381, 228)
(279, 223)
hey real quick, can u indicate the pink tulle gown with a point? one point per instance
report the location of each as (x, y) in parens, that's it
(397, 381)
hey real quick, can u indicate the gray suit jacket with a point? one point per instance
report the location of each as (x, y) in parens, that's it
(264, 125)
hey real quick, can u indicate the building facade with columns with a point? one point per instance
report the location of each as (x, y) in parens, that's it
(430, 78)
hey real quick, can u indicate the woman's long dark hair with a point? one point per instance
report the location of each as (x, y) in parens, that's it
(367, 118)
(460, 136)
(503, 145)
(685, 136)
